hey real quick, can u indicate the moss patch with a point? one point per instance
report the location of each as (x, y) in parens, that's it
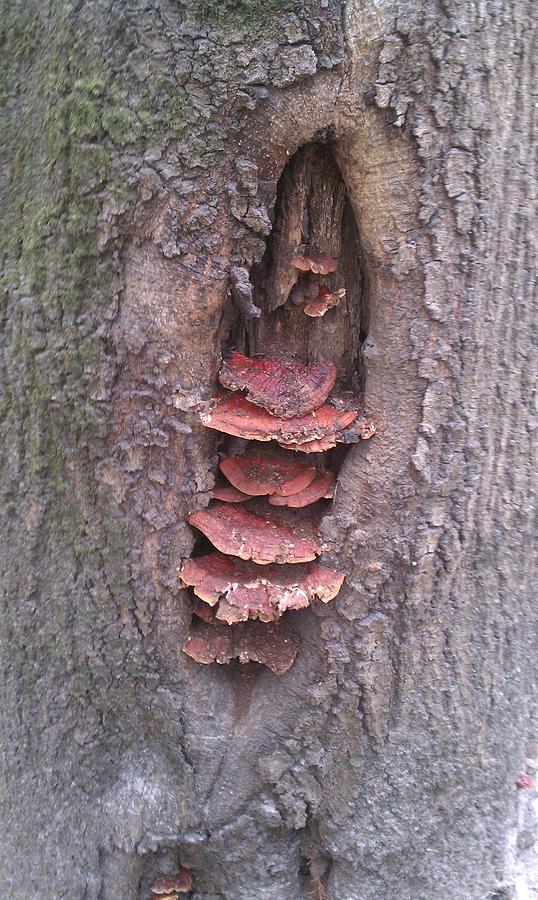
(65, 120)
(241, 14)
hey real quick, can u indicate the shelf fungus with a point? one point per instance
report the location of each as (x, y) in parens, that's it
(360, 429)
(322, 487)
(317, 263)
(259, 475)
(272, 645)
(325, 301)
(291, 386)
(283, 389)
(238, 532)
(172, 885)
(238, 417)
(241, 590)
(229, 494)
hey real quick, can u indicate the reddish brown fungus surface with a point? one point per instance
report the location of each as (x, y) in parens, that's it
(325, 300)
(236, 531)
(303, 522)
(317, 446)
(283, 389)
(179, 883)
(322, 486)
(229, 494)
(359, 429)
(524, 780)
(274, 646)
(314, 262)
(258, 475)
(246, 591)
(236, 416)
(203, 611)
(209, 643)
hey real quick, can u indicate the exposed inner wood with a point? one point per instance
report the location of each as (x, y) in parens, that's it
(312, 215)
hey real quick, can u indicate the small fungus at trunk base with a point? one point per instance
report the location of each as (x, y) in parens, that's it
(315, 262)
(524, 780)
(274, 646)
(251, 592)
(259, 475)
(284, 389)
(236, 531)
(239, 417)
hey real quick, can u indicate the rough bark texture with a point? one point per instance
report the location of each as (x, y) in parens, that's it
(142, 147)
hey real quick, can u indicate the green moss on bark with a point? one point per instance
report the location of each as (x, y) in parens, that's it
(66, 119)
(242, 14)
(63, 119)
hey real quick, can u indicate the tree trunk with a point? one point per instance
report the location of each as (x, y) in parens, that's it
(143, 148)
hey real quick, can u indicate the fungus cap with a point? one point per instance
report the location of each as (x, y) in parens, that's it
(284, 389)
(321, 487)
(274, 646)
(317, 263)
(239, 417)
(257, 474)
(360, 429)
(235, 531)
(325, 301)
(246, 591)
(179, 883)
(229, 494)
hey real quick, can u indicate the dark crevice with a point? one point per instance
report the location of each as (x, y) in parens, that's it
(312, 211)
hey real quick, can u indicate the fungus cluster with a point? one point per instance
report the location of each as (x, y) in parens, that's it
(264, 521)
(323, 299)
(169, 887)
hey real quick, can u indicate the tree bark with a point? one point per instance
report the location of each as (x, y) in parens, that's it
(142, 148)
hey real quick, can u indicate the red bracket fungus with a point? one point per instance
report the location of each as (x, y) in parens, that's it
(359, 429)
(284, 389)
(317, 446)
(239, 417)
(266, 543)
(259, 475)
(229, 494)
(315, 262)
(244, 591)
(238, 532)
(172, 885)
(325, 301)
(274, 646)
(230, 583)
(321, 487)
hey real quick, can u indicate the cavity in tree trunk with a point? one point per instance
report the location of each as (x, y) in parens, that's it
(154, 156)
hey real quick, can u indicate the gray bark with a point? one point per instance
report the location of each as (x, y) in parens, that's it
(383, 764)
